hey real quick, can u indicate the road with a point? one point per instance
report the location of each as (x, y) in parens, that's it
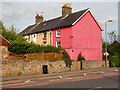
(102, 78)
(106, 82)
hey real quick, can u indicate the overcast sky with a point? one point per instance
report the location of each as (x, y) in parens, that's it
(22, 13)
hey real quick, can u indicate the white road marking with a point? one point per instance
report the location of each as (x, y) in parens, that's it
(27, 81)
(84, 74)
(60, 77)
(101, 72)
(54, 80)
(116, 70)
(99, 87)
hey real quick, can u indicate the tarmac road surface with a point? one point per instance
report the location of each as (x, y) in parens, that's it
(106, 82)
(102, 78)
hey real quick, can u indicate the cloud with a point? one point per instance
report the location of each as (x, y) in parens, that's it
(12, 13)
(109, 18)
(0, 11)
(60, 1)
(23, 13)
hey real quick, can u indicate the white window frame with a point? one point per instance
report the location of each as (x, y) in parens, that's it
(57, 33)
(58, 43)
(31, 36)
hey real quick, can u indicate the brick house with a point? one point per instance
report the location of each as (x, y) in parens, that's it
(4, 47)
(78, 33)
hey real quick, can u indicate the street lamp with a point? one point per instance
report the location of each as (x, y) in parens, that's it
(106, 53)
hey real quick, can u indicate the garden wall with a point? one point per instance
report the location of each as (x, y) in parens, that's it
(34, 67)
(93, 64)
(4, 52)
(18, 68)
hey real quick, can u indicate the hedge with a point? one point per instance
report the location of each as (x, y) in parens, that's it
(23, 47)
(114, 60)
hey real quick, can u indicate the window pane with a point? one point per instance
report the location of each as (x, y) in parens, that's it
(58, 33)
(57, 43)
(45, 34)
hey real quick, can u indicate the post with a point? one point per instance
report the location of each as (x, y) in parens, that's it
(105, 44)
(106, 53)
(106, 61)
(105, 36)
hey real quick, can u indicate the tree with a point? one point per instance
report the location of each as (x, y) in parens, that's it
(112, 36)
(10, 33)
(114, 48)
(114, 53)
(119, 38)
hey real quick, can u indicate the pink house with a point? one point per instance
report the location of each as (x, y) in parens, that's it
(78, 33)
(84, 37)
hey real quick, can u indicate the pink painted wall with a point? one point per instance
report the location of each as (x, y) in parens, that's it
(66, 41)
(87, 39)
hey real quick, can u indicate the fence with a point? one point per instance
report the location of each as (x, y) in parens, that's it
(44, 56)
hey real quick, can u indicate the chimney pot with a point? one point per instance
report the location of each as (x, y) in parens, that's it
(66, 9)
(38, 19)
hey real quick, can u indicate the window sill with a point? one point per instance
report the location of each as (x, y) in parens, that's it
(58, 36)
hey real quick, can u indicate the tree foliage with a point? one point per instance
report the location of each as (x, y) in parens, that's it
(67, 59)
(114, 48)
(114, 53)
(112, 36)
(10, 33)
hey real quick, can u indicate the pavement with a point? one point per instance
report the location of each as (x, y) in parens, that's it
(34, 80)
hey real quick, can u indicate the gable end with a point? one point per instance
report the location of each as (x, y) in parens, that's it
(92, 16)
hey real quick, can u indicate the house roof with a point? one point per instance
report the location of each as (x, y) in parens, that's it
(58, 22)
(4, 42)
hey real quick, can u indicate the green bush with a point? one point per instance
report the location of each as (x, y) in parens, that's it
(114, 54)
(67, 59)
(24, 47)
(114, 48)
(80, 57)
(114, 61)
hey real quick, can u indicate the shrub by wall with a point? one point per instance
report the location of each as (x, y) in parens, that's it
(24, 47)
(114, 61)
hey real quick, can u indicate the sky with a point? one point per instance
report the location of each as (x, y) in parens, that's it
(22, 13)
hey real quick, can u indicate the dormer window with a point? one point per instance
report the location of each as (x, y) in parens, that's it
(58, 33)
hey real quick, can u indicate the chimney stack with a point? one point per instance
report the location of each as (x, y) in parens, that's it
(38, 19)
(66, 9)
